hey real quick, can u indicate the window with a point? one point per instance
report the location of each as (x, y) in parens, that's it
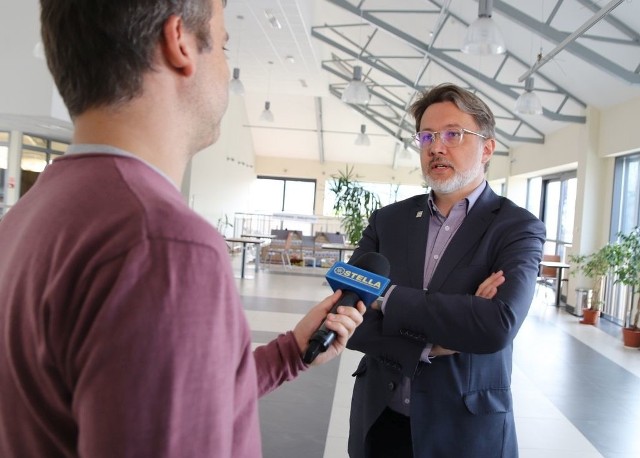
(273, 195)
(625, 213)
(387, 192)
(553, 200)
(37, 153)
(4, 161)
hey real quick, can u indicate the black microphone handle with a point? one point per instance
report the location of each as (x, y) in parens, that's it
(324, 337)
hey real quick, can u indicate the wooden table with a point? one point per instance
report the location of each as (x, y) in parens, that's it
(339, 247)
(246, 241)
(559, 266)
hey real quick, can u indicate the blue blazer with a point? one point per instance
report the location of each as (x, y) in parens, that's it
(461, 404)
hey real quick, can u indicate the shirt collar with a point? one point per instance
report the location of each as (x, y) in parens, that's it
(469, 201)
(88, 148)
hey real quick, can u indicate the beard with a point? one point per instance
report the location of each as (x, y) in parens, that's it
(458, 181)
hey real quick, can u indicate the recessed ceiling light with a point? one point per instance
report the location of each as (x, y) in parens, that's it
(272, 19)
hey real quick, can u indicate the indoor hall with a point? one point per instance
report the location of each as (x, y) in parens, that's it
(576, 388)
(570, 155)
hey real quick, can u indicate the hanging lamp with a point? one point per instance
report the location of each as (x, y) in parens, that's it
(483, 36)
(362, 139)
(528, 103)
(235, 85)
(356, 91)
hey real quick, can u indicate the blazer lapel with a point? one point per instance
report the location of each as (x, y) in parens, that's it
(417, 228)
(468, 235)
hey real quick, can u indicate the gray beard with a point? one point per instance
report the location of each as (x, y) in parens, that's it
(455, 183)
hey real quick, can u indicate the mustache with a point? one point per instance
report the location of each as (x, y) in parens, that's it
(439, 161)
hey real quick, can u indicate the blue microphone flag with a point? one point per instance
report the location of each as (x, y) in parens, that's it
(367, 285)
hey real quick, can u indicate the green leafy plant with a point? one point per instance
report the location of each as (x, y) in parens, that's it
(353, 202)
(596, 266)
(627, 270)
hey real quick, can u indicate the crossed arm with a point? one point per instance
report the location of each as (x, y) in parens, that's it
(487, 289)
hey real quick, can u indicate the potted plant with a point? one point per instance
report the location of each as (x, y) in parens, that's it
(594, 266)
(627, 271)
(354, 203)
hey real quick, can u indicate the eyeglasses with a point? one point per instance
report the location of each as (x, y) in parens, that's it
(449, 137)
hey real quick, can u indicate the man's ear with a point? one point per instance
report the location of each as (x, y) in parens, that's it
(487, 149)
(179, 46)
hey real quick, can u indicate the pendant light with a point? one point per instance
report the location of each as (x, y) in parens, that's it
(362, 139)
(528, 103)
(267, 114)
(483, 36)
(356, 91)
(235, 85)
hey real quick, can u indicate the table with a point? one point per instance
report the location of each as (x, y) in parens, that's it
(246, 241)
(339, 247)
(560, 266)
(259, 236)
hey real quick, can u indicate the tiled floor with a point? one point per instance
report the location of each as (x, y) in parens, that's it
(576, 388)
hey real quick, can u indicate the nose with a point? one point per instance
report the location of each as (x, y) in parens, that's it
(436, 147)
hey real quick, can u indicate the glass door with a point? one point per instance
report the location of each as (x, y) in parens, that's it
(558, 211)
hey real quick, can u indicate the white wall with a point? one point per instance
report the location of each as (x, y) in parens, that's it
(28, 77)
(620, 129)
(219, 178)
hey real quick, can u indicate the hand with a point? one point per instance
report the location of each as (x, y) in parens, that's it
(437, 350)
(489, 288)
(343, 323)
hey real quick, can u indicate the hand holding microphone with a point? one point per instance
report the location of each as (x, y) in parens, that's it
(364, 280)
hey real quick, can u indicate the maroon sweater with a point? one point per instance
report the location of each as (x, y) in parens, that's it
(121, 329)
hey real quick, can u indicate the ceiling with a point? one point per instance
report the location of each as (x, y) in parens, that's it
(403, 46)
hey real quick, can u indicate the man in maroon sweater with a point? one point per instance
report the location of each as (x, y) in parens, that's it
(121, 329)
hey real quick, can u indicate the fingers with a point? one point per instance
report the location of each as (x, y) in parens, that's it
(345, 322)
(437, 350)
(489, 288)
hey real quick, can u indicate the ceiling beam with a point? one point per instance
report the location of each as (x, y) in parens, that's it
(406, 81)
(442, 57)
(555, 36)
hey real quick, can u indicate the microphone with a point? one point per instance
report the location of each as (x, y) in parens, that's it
(364, 280)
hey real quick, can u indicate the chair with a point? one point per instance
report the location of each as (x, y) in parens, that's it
(548, 276)
(287, 246)
(308, 251)
(327, 257)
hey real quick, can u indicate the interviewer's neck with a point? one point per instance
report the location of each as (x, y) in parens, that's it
(138, 130)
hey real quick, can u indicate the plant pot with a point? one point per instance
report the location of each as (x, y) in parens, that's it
(631, 337)
(590, 316)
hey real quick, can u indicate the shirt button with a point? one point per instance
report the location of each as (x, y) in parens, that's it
(435, 256)
(407, 401)
(391, 386)
(446, 228)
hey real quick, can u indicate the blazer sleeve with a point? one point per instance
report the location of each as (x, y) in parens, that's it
(462, 321)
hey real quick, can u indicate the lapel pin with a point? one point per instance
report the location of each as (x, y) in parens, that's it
(419, 214)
